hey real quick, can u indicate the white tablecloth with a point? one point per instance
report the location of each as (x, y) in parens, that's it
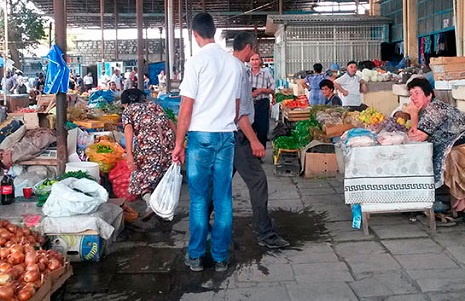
(389, 174)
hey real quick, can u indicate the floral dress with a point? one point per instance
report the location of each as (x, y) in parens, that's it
(153, 144)
(444, 125)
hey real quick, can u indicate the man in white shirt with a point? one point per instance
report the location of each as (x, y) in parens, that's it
(116, 78)
(88, 81)
(351, 86)
(209, 106)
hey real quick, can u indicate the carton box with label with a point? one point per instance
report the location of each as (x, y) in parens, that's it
(83, 246)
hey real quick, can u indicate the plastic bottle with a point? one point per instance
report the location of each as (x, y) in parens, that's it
(7, 189)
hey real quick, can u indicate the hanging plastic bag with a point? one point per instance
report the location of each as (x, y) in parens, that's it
(165, 197)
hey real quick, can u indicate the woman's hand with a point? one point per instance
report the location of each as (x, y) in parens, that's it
(130, 162)
(410, 108)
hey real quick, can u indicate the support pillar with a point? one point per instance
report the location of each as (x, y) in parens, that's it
(59, 14)
(410, 26)
(459, 16)
(116, 31)
(140, 44)
(102, 12)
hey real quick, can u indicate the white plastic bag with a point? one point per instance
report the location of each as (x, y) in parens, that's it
(165, 197)
(66, 200)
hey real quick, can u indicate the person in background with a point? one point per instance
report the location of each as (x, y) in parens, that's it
(104, 80)
(79, 83)
(162, 79)
(312, 83)
(116, 78)
(146, 81)
(131, 81)
(248, 149)
(88, 81)
(262, 87)
(149, 157)
(351, 86)
(327, 89)
(71, 82)
(210, 95)
(40, 84)
(112, 88)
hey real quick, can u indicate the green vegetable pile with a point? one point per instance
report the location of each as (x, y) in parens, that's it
(280, 97)
(302, 131)
(104, 149)
(286, 142)
(77, 174)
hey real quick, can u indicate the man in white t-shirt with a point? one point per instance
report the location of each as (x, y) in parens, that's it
(103, 80)
(351, 86)
(209, 106)
(116, 78)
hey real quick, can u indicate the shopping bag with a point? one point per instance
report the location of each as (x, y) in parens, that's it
(165, 197)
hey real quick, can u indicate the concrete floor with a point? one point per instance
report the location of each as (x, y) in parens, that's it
(400, 260)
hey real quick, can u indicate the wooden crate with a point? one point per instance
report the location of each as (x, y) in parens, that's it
(52, 282)
(449, 75)
(320, 165)
(296, 114)
(336, 130)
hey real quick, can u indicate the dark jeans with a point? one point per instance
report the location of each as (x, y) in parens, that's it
(262, 120)
(249, 168)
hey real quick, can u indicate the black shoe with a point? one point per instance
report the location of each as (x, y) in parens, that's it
(195, 264)
(147, 214)
(274, 242)
(221, 266)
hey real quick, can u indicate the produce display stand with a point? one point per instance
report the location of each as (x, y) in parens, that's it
(390, 179)
(52, 282)
(295, 114)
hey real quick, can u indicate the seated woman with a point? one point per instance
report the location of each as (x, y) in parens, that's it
(327, 89)
(443, 125)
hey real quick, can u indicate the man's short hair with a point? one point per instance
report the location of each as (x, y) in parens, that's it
(318, 67)
(352, 62)
(242, 39)
(327, 83)
(204, 26)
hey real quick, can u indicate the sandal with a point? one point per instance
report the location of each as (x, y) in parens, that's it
(443, 220)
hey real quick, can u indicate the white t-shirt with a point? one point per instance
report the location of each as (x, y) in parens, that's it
(352, 85)
(213, 79)
(117, 80)
(88, 80)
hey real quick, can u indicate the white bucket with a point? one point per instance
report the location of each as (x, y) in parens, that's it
(91, 167)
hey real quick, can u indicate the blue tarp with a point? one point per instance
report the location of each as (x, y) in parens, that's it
(57, 72)
(108, 95)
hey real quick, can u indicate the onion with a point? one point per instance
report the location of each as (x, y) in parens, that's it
(2, 241)
(5, 266)
(5, 234)
(19, 268)
(26, 293)
(12, 228)
(53, 264)
(43, 260)
(32, 267)
(31, 257)
(26, 231)
(3, 223)
(28, 248)
(4, 252)
(5, 278)
(16, 248)
(41, 266)
(31, 276)
(16, 257)
(6, 292)
(9, 244)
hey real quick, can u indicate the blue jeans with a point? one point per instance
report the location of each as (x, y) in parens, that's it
(209, 159)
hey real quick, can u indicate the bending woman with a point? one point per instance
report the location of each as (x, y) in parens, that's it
(152, 136)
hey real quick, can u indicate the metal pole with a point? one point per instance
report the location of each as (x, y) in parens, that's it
(102, 12)
(116, 31)
(140, 44)
(5, 55)
(147, 44)
(50, 35)
(161, 43)
(59, 7)
(181, 42)
(171, 47)
(189, 25)
(167, 47)
(280, 7)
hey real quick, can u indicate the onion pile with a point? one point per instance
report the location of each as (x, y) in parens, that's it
(22, 267)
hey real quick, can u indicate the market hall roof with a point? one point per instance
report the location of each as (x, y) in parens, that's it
(232, 13)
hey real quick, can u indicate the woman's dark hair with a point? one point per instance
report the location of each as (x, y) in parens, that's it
(132, 95)
(204, 26)
(327, 83)
(318, 67)
(422, 83)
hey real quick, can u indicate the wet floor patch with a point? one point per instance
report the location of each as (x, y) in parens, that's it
(142, 271)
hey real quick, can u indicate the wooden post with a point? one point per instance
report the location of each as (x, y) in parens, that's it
(59, 7)
(140, 44)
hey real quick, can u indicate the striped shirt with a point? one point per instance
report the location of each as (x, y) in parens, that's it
(262, 79)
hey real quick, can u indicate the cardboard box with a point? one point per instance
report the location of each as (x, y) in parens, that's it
(320, 165)
(83, 246)
(336, 130)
